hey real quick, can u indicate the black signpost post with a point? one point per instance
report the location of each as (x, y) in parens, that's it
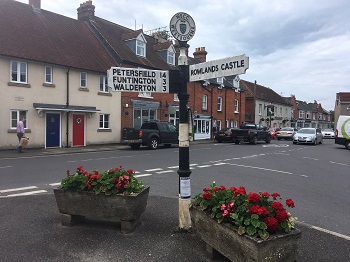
(183, 28)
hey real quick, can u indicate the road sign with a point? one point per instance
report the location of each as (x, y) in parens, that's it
(182, 27)
(229, 66)
(138, 80)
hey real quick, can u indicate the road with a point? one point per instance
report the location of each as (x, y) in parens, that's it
(315, 177)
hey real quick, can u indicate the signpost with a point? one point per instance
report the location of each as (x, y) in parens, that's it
(219, 68)
(138, 80)
(183, 28)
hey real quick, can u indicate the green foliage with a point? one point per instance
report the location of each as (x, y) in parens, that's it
(255, 214)
(113, 181)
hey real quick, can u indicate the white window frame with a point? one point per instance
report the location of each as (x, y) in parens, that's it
(103, 84)
(260, 109)
(18, 72)
(204, 102)
(308, 115)
(104, 121)
(48, 75)
(236, 106)
(219, 103)
(301, 114)
(140, 48)
(145, 94)
(171, 58)
(83, 77)
(176, 97)
(15, 115)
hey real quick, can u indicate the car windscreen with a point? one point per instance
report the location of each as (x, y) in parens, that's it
(306, 131)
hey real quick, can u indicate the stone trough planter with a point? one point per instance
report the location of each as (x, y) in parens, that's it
(223, 238)
(127, 210)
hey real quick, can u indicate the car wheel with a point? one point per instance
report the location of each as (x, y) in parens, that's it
(153, 143)
(294, 142)
(135, 146)
(347, 144)
(254, 140)
(237, 142)
(278, 138)
(268, 140)
(315, 143)
(219, 141)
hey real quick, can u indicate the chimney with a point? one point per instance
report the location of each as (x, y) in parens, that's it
(200, 54)
(86, 11)
(35, 3)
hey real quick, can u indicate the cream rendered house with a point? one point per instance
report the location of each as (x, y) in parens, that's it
(53, 72)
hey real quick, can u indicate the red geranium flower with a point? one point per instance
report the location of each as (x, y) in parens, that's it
(240, 191)
(282, 215)
(265, 194)
(277, 206)
(290, 203)
(207, 195)
(271, 223)
(275, 195)
(253, 197)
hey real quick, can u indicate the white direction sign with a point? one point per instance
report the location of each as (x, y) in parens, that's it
(138, 80)
(229, 66)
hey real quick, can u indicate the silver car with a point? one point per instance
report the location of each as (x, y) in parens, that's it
(308, 135)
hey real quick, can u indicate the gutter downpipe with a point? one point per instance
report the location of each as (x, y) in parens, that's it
(67, 104)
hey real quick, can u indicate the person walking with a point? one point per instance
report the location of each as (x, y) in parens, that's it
(20, 133)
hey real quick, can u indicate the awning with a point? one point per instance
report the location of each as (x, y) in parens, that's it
(54, 107)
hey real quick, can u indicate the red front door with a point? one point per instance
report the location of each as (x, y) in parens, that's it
(78, 130)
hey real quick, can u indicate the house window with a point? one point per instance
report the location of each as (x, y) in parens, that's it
(140, 48)
(301, 114)
(176, 97)
(204, 102)
(142, 115)
(235, 124)
(218, 124)
(307, 115)
(220, 80)
(104, 121)
(15, 116)
(313, 116)
(48, 74)
(171, 58)
(236, 106)
(260, 109)
(83, 79)
(220, 103)
(18, 72)
(103, 84)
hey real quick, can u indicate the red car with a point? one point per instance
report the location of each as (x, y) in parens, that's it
(273, 132)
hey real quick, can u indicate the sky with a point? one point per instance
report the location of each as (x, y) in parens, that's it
(295, 47)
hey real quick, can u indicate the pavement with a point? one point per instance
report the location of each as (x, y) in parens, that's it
(32, 231)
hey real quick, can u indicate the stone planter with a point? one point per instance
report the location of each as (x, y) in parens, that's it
(224, 239)
(75, 206)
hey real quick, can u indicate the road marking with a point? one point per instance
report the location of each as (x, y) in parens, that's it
(284, 154)
(165, 171)
(55, 184)
(267, 169)
(310, 158)
(204, 166)
(338, 163)
(143, 175)
(5, 166)
(171, 167)
(17, 189)
(25, 193)
(325, 230)
(220, 164)
(154, 169)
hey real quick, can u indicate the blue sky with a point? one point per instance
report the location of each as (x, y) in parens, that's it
(294, 46)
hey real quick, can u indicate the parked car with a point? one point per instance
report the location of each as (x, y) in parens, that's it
(285, 133)
(273, 131)
(328, 133)
(308, 135)
(223, 135)
(251, 133)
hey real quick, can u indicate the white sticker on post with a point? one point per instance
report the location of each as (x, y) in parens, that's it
(185, 187)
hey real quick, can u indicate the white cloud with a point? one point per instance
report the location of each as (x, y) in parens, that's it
(295, 46)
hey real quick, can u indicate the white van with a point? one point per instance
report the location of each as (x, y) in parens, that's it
(342, 133)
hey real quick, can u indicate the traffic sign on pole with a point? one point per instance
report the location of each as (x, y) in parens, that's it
(229, 66)
(138, 80)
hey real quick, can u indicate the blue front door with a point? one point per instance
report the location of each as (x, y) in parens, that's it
(52, 129)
